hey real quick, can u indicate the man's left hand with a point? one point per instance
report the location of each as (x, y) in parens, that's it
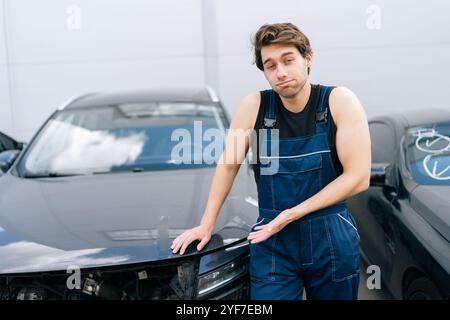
(265, 231)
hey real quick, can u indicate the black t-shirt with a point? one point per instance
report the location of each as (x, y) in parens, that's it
(292, 124)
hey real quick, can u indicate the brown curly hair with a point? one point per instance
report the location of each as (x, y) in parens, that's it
(279, 33)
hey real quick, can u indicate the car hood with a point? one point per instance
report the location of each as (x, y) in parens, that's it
(433, 204)
(102, 220)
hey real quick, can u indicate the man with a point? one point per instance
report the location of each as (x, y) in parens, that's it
(304, 238)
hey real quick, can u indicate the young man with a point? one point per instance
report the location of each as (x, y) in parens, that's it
(304, 238)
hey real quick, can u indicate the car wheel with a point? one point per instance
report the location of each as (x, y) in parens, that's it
(422, 289)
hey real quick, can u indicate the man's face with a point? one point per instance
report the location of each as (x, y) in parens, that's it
(285, 68)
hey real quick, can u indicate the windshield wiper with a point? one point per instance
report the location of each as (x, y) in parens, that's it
(51, 175)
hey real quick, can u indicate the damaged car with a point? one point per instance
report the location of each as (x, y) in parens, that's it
(90, 207)
(404, 217)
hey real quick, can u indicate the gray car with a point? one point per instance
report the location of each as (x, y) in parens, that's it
(403, 217)
(89, 208)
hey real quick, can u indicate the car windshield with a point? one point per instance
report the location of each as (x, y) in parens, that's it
(126, 137)
(428, 153)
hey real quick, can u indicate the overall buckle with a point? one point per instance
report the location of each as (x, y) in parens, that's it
(270, 123)
(321, 116)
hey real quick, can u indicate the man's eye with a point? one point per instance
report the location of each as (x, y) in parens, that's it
(270, 66)
(289, 60)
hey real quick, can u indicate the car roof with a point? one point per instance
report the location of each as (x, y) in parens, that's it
(412, 118)
(203, 94)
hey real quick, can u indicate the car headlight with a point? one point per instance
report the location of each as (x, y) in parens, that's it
(221, 276)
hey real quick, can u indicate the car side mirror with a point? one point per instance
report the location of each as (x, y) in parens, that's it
(20, 145)
(378, 174)
(3, 167)
(7, 159)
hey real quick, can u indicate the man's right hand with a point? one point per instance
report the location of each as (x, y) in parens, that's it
(201, 233)
(226, 170)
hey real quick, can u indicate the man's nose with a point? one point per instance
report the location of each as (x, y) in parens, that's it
(281, 72)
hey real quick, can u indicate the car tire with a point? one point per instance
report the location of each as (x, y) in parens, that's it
(422, 289)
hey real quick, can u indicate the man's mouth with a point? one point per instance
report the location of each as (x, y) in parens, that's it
(284, 83)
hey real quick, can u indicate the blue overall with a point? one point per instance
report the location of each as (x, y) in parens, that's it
(318, 252)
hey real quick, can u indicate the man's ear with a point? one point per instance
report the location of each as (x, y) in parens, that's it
(309, 59)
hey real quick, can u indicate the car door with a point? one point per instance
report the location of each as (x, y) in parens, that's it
(373, 208)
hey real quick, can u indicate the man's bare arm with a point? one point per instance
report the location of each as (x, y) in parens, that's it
(225, 173)
(354, 151)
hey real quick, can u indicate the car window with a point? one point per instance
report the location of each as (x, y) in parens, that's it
(428, 153)
(2, 146)
(127, 137)
(382, 142)
(6, 143)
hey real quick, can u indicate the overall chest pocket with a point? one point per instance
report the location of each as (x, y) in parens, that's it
(296, 180)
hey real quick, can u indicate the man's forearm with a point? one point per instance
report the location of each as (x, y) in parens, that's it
(220, 187)
(343, 187)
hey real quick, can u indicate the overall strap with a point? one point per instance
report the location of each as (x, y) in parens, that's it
(322, 109)
(321, 113)
(270, 116)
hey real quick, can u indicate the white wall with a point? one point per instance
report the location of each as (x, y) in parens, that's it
(136, 44)
(120, 45)
(6, 120)
(402, 65)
